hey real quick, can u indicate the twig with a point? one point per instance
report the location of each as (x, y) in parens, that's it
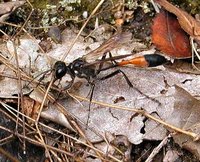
(20, 95)
(157, 149)
(38, 117)
(155, 6)
(194, 52)
(83, 135)
(8, 155)
(4, 33)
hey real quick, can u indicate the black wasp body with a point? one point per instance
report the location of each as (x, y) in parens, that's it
(85, 67)
(82, 71)
(75, 69)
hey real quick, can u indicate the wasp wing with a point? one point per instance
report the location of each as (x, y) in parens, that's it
(116, 41)
(98, 61)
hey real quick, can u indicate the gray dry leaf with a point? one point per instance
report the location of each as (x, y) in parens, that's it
(186, 115)
(56, 116)
(171, 156)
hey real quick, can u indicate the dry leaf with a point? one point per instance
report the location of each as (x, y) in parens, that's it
(55, 34)
(53, 114)
(168, 36)
(31, 108)
(171, 156)
(186, 115)
(187, 22)
(8, 7)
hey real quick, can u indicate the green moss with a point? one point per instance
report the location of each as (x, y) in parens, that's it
(41, 4)
(89, 5)
(191, 6)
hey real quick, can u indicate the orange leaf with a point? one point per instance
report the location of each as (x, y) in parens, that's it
(168, 36)
(187, 22)
(31, 108)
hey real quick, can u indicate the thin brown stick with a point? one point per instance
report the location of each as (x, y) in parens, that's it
(44, 99)
(20, 95)
(157, 149)
(83, 135)
(5, 140)
(8, 155)
(28, 128)
(38, 117)
(4, 33)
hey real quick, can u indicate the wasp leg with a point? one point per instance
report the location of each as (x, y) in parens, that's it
(114, 62)
(90, 101)
(101, 64)
(115, 73)
(129, 83)
(39, 81)
(64, 89)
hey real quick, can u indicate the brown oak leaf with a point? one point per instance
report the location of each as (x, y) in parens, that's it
(169, 37)
(189, 24)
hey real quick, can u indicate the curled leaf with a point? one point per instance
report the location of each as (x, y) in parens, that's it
(187, 22)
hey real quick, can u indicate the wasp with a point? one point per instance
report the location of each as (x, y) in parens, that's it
(89, 66)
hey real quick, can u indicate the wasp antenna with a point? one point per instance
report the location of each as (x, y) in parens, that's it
(44, 72)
